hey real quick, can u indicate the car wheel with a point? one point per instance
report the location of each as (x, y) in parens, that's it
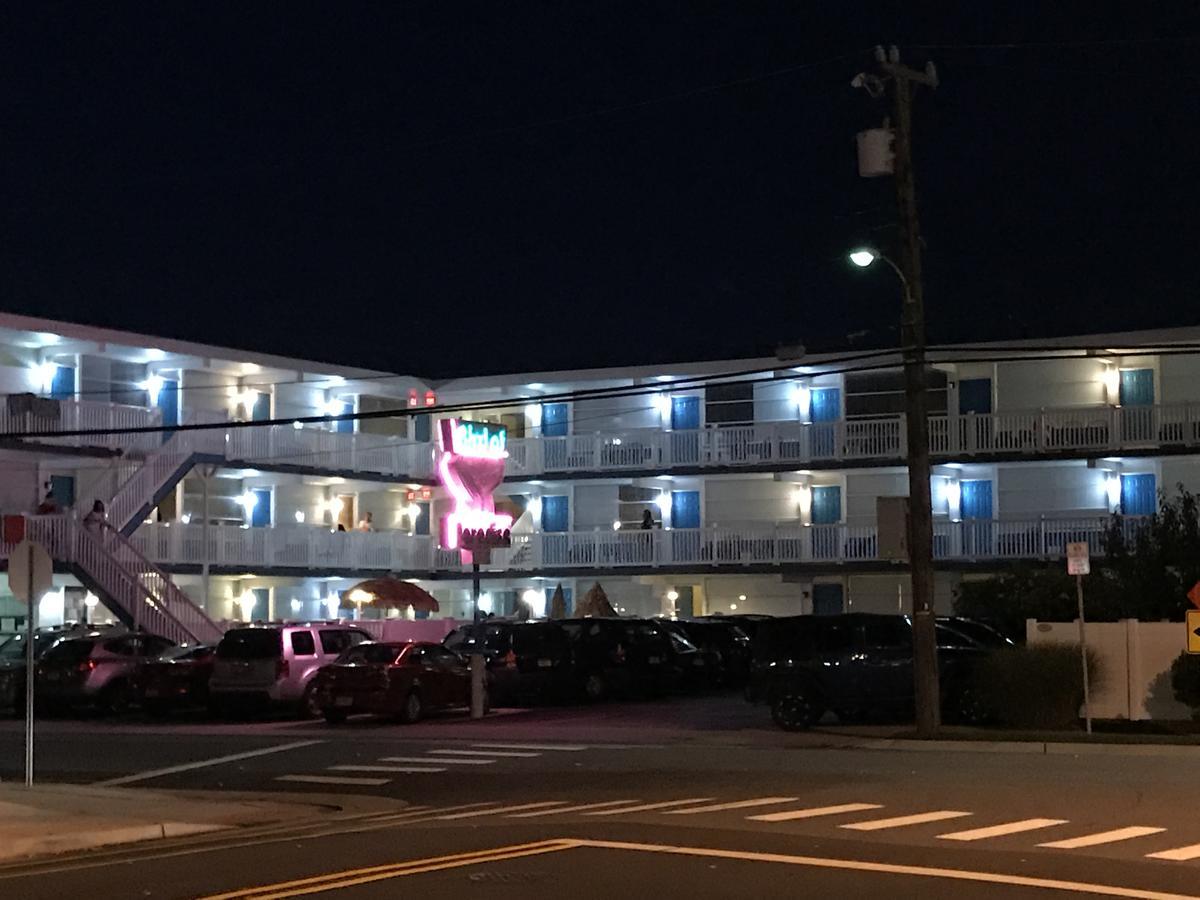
(413, 708)
(116, 698)
(309, 708)
(595, 688)
(795, 710)
(334, 716)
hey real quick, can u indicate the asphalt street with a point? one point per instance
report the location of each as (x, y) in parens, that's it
(684, 817)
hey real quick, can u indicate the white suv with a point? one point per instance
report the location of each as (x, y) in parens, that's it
(275, 664)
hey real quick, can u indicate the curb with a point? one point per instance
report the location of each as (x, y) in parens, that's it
(1030, 748)
(22, 848)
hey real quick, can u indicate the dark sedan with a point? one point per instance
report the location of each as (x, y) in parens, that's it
(178, 679)
(403, 680)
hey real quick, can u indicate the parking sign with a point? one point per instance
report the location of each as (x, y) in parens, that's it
(1078, 561)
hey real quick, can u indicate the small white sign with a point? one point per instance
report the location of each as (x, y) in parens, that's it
(1078, 561)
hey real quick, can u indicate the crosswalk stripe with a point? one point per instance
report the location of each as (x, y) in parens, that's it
(387, 769)
(979, 834)
(646, 807)
(737, 804)
(1103, 837)
(566, 748)
(502, 810)
(789, 814)
(902, 821)
(1179, 854)
(329, 779)
(512, 753)
(571, 809)
(438, 762)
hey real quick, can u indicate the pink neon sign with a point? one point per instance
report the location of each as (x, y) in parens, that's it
(471, 466)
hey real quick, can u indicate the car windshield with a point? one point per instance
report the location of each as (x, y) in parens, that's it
(178, 654)
(250, 643)
(369, 655)
(69, 652)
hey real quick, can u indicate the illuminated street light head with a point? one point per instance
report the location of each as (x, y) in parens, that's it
(863, 257)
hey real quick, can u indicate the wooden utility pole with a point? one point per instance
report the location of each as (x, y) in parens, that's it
(920, 522)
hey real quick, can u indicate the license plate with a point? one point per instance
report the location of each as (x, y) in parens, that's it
(343, 701)
(545, 663)
(653, 660)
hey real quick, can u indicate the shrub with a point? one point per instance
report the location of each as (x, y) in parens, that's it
(1185, 680)
(1034, 686)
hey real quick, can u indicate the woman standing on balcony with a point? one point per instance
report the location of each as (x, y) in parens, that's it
(95, 519)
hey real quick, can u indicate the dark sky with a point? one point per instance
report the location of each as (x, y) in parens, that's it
(452, 188)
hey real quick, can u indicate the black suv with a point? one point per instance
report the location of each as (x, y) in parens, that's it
(526, 661)
(854, 665)
(620, 656)
(726, 643)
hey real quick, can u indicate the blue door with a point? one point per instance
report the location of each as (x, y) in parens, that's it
(976, 505)
(1139, 495)
(827, 599)
(421, 523)
(1137, 387)
(569, 606)
(975, 396)
(62, 487)
(260, 516)
(421, 428)
(826, 510)
(261, 411)
(168, 402)
(555, 522)
(343, 407)
(685, 425)
(62, 386)
(685, 509)
(826, 411)
(555, 419)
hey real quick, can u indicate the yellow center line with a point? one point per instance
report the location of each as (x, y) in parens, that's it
(351, 877)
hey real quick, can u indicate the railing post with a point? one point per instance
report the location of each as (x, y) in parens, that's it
(1042, 553)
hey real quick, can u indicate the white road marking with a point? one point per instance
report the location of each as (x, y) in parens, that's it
(855, 865)
(501, 810)
(1179, 854)
(1103, 837)
(790, 814)
(329, 779)
(979, 834)
(438, 762)
(645, 807)
(571, 809)
(902, 821)
(387, 768)
(566, 748)
(512, 753)
(737, 804)
(204, 763)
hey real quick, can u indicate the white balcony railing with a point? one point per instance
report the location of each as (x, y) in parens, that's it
(44, 418)
(314, 548)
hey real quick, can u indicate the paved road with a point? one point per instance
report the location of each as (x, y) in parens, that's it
(708, 819)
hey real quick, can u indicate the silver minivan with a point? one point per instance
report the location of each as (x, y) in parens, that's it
(275, 664)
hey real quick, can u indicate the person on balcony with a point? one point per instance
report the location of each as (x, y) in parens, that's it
(96, 518)
(647, 520)
(366, 523)
(49, 505)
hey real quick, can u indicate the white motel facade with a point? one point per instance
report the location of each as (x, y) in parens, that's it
(758, 478)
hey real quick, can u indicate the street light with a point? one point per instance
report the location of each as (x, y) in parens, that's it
(863, 257)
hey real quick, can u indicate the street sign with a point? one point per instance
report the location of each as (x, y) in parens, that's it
(1078, 561)
(1193, 631)
(22, 563)
(1194, 595)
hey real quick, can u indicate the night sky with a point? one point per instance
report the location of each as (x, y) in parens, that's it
(450, 188)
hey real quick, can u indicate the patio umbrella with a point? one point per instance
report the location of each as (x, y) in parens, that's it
(389, 593)
(558, 604)
(595, 603)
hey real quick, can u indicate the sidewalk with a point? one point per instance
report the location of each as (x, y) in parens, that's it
(62, 818)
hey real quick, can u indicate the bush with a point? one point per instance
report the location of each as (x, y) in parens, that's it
(1185, 680)
(1035, 686)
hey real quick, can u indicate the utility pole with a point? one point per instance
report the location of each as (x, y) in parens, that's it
(902, 80)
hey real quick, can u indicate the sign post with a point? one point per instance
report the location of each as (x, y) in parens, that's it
(1079, 564)
(30, 574)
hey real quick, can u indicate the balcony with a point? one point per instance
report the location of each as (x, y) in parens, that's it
(46, 417)
(1047, 433)
(765, 545)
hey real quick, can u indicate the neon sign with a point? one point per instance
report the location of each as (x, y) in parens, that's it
(471, 466)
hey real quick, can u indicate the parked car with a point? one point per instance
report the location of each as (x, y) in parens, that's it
(748, 622)
(692, 668)
(98, 670)
(12, 663)
(274, 665)
(982, 634)
(404, 680)
(727, 645)
(619, 656)
(854, 664)
(526, 661)
(177, 679)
